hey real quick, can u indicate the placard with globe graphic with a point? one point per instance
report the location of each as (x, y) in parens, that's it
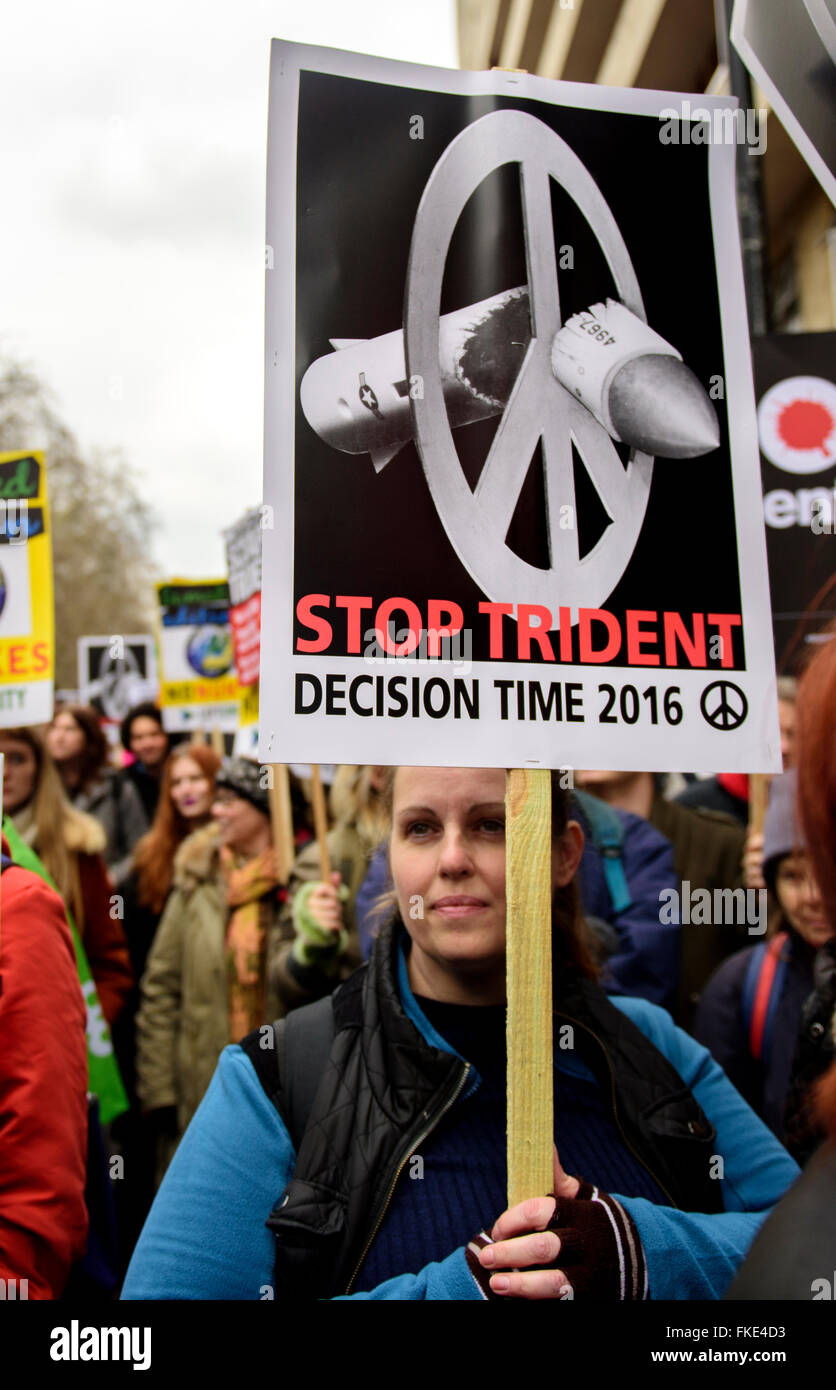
(198, 682)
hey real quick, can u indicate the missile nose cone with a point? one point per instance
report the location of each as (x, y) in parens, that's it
(658, 405)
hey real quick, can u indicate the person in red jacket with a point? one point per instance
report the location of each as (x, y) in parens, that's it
(69, 844)
(43, 1091)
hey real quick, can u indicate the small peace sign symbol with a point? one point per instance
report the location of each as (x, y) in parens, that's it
(723, 705)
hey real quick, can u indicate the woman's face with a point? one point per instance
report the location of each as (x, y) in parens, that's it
(191, 789)
(64, 738)
(798, 894)
(447, 854)
(20, 773)
(244, 828)
(148, 741)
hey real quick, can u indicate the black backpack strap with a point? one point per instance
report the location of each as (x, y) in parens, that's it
(290, 1064)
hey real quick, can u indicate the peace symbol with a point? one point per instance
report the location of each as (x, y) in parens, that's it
(725, 710)
(538, 408)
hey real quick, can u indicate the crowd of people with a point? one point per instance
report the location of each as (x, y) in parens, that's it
(241, 1083)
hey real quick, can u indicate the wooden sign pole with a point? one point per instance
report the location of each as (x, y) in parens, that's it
(758, 797)
(198, 736)
(530, 1097)
(217, 741)
(320, 815)
(281, 818)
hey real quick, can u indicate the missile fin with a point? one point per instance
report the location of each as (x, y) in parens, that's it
(340, 343)
(380, 457)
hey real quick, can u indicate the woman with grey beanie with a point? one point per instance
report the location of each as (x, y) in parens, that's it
(205, 982)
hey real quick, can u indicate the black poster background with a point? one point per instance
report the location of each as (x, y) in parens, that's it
(95, 656)
(359, 181)
(802, 563)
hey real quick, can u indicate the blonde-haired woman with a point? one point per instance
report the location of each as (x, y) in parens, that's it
(69, 845)
(320, 919)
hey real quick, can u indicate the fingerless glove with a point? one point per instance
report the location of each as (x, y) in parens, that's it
(600, 1253)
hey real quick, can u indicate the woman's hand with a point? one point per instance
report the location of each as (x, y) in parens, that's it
(578, 1243)
(324, 905)
(521, 1241)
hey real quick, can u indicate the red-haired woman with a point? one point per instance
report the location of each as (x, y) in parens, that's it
(186, 790)
(794, 1256)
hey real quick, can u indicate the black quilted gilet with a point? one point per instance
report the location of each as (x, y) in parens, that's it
(384, 1088)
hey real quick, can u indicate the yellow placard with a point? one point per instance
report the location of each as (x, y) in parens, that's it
(27, 621)
(249, 705)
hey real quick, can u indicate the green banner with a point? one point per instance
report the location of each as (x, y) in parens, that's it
(103, 1073)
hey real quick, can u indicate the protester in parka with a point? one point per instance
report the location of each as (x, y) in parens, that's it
(205, 982)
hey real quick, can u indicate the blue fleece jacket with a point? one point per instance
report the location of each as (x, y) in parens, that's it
(206, 1238)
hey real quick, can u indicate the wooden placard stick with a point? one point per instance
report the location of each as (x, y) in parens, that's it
(281, 818)
(198, 736)
(320, 816)
(217, 741)
(528, 946)
(530, 1097)
(758, 797)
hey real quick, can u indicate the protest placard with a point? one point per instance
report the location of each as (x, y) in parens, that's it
(198, 683)
(790, 51)
(795, 380)
(510, 436)
(115, 673)
(27, 645)
(243, 559)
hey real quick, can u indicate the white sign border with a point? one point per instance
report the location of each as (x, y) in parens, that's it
(756, 747)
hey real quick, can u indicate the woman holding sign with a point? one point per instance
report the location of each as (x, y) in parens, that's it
(371, 1161)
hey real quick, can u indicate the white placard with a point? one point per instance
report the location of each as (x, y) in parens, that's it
(473, 561)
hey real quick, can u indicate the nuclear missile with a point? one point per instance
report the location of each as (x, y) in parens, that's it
(357, 398)
(636, 385)
(634, 382)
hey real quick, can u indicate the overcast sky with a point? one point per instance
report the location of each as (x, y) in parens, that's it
(132, 170)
